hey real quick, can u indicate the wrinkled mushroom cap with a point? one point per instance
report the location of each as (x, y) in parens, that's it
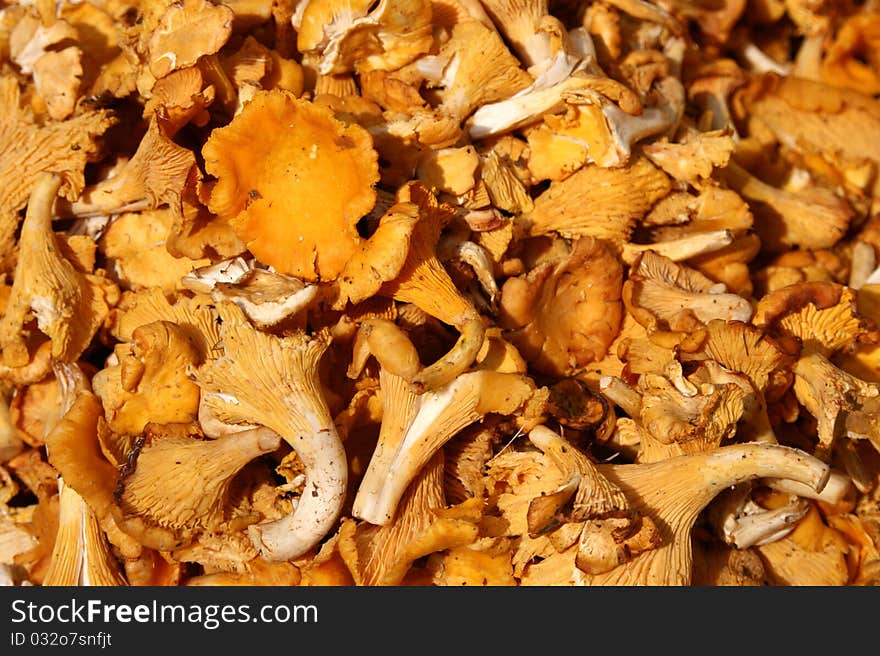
(293, 198)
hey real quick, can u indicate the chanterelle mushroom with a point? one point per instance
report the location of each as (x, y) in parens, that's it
(295, 201)
(154, 495)
(439, 292)
(663, 294)
(30, 148)
(424, 282)
(599, 202)
(673, 492)
(564, 314)
(150, 383)
(414, 427)
(69, 305)
(273, 382)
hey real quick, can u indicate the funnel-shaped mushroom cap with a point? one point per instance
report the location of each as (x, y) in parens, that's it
(569, 308)
(294, 196)
(187, 30)
(178, 486)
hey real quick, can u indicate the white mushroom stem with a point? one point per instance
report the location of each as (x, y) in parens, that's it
(323, 455)
(834, 491)
(658, 119)
(477, 257)
(873, 278)
(414, 427)
(622, 395)
(524, 107)
(399, 408)
(761, 62)
(204, 279)
(683, 248)
(864, 263)
(756, 525)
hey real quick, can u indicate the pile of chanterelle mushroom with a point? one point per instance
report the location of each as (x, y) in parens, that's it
(440, 292)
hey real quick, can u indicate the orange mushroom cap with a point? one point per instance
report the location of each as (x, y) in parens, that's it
(293, 194)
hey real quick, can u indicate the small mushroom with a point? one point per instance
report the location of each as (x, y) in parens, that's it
(424, 282)
(789, 218)
(565, 312)
(473, 68)
(663, 294)
(155, 175)
(150, 384)
(137, 257)
(32, 147)
(611, 532)
(386, 37)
